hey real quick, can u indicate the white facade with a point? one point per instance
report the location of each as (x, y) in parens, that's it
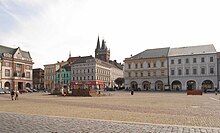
(201, 70)
(115, 73)
(193, 67)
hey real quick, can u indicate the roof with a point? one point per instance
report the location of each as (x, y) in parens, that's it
(4, 49)
(82, 59)
(152, 53)
(192, 50)
(72, 59)
(67, 67)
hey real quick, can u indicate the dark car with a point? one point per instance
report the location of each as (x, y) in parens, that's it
(22, 91)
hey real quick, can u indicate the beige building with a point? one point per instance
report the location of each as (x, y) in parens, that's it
(16, 68)
(50, 74)
(147, 70)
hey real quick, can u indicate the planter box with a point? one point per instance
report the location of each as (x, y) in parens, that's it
(194, 92)
(84, 92)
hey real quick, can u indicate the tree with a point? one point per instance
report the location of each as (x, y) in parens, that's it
(119, 81)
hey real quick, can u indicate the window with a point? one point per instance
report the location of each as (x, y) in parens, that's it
(7, 72)
(148, 65)
(18, 65)
(129, 66)
(155, 65)
(28, 67)
(202, 59)
(162, 73)
(172, 72)
(194, 71)
(84, 78)
(179, 61)
(194, 60)
(129, 74)
(141, 65)
(88, 77)
(172, 61)
(7, 64)
(155, 73)
(148, 73)
(211, 59)
(187, 71)
(162, 64)
(179, 72)
(203, 70)
(73, 78)
(141, 74)
(187, 60)
(211, 70)
(92, 77)
(136, 74)
(88, 70)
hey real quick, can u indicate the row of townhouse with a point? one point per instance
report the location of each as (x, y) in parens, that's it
(84, 71)
(15, 68)
(193, 67)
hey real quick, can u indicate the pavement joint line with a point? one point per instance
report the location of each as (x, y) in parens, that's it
(215, 99)
(115, 121)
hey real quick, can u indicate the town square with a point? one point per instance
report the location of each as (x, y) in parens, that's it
(141, 112)
(106, 66)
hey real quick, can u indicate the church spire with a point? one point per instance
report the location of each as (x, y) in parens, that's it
(98, 44)
(103, 44)
(69, 53)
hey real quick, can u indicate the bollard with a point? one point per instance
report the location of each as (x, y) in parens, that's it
(132, 92)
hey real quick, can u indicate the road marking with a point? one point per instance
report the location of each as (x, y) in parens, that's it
(215, 99)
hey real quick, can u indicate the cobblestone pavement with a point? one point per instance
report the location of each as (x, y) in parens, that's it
(22, 123)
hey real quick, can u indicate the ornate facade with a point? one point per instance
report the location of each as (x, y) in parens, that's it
(16, 68)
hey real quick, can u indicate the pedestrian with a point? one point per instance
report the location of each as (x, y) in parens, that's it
(16, 95)
(12, 94)
(216, 91)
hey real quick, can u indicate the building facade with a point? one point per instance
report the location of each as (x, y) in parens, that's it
(63, 76)
(193, 67)
(89, 72)
(50, 75)
(147, 70)
(38, 79)
(16, 68)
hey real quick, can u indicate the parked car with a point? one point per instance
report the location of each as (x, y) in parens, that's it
(22, 91)
(29, 90)
(1, 91)
(34, 90)
(7, 91)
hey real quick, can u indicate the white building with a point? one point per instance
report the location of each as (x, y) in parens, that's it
(193, 67)
(90, 72)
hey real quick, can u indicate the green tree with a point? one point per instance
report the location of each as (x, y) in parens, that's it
(119, 81)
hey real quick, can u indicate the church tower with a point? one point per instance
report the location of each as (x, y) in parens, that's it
(102, 53)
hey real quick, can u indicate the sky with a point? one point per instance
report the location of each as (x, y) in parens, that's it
(50, 29)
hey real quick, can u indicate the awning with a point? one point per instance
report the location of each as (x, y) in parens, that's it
(95, 83)
(76, 83)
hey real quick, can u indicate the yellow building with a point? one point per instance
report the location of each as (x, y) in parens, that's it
(147, 70)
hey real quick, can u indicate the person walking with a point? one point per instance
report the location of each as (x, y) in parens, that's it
(216, 91)
(12, 94)
(16, 95)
